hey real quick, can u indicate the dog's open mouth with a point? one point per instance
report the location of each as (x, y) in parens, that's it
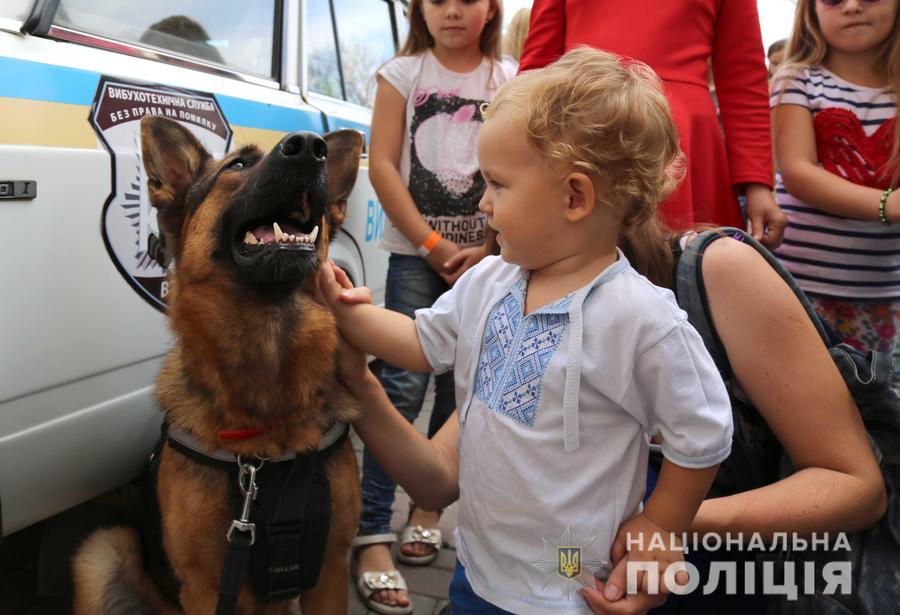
(289, 228)
(278, 246)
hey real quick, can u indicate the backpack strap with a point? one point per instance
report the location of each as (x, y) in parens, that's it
(689, 284)
(748, 469)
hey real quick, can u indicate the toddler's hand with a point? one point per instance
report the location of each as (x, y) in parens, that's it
(649, 543)
(336, 286)
(329, 284)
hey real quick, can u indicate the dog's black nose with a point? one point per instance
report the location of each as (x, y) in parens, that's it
(305, 147)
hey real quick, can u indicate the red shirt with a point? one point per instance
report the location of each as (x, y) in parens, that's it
(675, 38)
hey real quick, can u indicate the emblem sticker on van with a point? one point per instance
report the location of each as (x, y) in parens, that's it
(129, 226)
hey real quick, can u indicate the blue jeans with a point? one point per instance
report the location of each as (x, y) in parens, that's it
(411, 284)
(464, 600)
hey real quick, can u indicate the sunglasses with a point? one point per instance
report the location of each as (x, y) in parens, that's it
(840, 2)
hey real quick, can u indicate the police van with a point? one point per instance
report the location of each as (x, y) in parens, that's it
(81, 303)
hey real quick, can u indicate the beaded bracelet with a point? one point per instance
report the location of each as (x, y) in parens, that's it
(881, 206)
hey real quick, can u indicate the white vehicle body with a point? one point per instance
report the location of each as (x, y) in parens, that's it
(81, 344)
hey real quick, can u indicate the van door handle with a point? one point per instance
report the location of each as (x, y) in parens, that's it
(13, 189)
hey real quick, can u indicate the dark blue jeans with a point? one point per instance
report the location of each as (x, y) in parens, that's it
(411, 284)
(464, 600)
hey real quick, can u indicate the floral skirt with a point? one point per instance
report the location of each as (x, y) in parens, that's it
(865, 326)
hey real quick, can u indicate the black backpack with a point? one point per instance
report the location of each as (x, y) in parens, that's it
(758, 459)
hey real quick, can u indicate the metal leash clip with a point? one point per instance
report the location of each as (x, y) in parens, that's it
(247, 474)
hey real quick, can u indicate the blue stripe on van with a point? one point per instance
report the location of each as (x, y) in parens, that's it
(243, 112)
(61, 84)
(38, 81)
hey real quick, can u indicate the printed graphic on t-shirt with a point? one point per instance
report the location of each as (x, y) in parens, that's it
(444, 180)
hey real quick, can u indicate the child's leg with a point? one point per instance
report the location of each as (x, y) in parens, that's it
(464, 600)
(863, 325)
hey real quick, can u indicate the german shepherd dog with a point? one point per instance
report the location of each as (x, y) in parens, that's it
(254, 355)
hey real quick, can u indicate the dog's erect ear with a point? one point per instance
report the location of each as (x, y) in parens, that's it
(173, 157)
(344, 151)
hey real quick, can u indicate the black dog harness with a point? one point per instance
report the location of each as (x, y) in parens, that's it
(282, 510)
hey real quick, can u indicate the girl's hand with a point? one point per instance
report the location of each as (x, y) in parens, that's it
(632, 604)
(645, 537)
(442, 252)
(461, 262)
(765, 220)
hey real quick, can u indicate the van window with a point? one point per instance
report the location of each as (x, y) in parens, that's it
(324, 74)
(366, 42)
(235, 33)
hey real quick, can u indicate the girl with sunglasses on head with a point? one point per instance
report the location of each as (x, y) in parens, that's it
(834, 108)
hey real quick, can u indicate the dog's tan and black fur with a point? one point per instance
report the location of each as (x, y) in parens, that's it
(255, 349)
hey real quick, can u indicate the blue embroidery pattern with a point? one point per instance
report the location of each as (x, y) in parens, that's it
(516, 351)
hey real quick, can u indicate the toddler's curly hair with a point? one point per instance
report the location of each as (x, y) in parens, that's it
(607, 117)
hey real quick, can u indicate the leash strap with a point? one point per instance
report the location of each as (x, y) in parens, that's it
(241, 536)
(233, 571)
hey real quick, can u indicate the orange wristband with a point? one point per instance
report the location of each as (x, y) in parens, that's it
(428, 245)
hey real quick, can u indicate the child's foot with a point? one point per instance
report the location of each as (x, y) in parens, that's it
(428, 521)
(377, 557)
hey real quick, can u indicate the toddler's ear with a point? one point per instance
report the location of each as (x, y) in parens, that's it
(582, 197)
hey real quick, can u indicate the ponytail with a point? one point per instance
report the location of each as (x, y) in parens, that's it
(647, 246)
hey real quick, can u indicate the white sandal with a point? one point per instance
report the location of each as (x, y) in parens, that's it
(374, 581)
(417, 534)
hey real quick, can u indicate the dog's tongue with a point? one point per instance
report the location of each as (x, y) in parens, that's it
(265, 233)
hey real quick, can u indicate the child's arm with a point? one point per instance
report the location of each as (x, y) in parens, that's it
(388, 129)
(795, 153)
(651, 536)
(388, 335)
(677, 496)
(427, 469)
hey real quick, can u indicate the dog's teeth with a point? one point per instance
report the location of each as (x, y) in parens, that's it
(292, 238)
(250, 238)
(279, 235)
(314, 234)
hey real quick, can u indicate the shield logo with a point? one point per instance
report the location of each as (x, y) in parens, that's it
(129, 225)
(569, 562)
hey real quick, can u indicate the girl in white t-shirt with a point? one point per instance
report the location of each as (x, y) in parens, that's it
(424, 169)
(834, 109)
(565, 357)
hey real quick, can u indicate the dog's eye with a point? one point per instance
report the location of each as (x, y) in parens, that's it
(236, 165)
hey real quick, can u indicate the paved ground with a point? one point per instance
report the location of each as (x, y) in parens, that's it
(428, 585)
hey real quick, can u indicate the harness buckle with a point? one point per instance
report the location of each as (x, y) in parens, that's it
(242, 526)
(247, 485)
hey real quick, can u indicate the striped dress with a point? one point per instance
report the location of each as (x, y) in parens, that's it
(850, 268)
